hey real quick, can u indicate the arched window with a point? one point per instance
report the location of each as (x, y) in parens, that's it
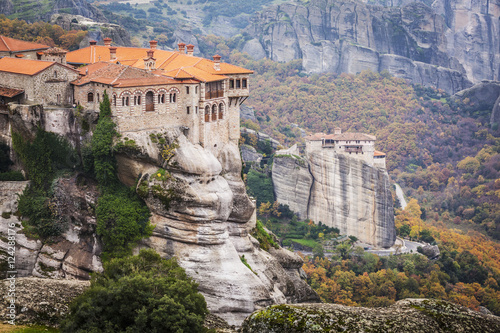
(123, 101)
(174, 95)
(163, 98)
(170, 98)
(55, 74)
(221, 111)
(127, 101)
(207, 113)
(98, 98)
(90, 97)
(150, 105)
(214, 112)
(159, 99)
(135, 100)
(139, 99)
(114, 100)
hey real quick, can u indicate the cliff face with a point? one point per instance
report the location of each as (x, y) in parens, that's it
(338, 191)
(200, 210)
(446, 45)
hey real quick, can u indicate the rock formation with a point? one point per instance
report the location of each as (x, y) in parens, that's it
(200, 209)
(41, 301)
(406, 316)
(203, 216)
(445, 46)
(338, 191)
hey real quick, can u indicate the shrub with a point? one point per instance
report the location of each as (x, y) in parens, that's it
(143, 293)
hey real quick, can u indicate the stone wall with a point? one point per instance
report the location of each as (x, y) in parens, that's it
(46, 87)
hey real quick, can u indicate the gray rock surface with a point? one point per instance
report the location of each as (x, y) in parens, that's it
(405, 316)
(71, 256)
(247, 112)
(41, 301)
(207, 227)
(445, 46)
(338, 191)
(249, 154)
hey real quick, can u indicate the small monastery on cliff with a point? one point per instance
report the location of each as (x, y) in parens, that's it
(148, 88)
(356, 145)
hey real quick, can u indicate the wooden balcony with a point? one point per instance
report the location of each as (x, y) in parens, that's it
(214, 94)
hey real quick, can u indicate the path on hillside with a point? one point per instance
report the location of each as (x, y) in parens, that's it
(400, 195)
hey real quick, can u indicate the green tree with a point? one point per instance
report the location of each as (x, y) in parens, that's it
(142, 293)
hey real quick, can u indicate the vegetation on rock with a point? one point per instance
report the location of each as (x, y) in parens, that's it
(142, 293)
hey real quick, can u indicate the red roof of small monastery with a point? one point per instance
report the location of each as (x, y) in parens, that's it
(23, 66)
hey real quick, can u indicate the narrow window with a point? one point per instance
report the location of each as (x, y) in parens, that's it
(135, 100)
(174, 97)
(238, 84)
(126, 101)
(123, 101)
(159, 99)
(187, 109)
(231, 84)
(196, 109)
(90, 97)
(244, 83)
(163, 98)
(114, 100)
(139, 99)
(187, 90)
(207, 113)
(196, 89)
(221, 111)
(170, 98)
(55, 74)
(98, 98)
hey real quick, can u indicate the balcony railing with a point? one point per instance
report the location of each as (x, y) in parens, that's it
(214, 94)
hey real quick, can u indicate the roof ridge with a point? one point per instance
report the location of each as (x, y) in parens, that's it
(118, 76)
(5, 43)
(173, 56)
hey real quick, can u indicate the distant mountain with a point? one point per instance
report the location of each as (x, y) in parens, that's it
(38, 10)
(447, 45)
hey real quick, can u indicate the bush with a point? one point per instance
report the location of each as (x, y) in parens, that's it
(11, 176)
(143, 293)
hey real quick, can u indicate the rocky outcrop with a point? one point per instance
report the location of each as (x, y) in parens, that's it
(97, 29)
(406, 316)
(446, 46)
(338, 191)
(203, 216)
(43, 10)
(75, 254)
(250, 154)
(41, 301)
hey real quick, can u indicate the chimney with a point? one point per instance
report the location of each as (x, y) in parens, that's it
(150, 53)
(181, 47)
(217, 62)
(337, 131)
(112, 53)
(107, 41)
(190, 49)
(153, 44)
(93, 42)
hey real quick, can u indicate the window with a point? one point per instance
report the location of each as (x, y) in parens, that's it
(90, 97)
(150, 106)
(139, 99)
(163, 98)
(187, 90)
(214, 112)
(172, 98)
(207, 113)
(127, 101)
(55, 74)
(187, 109)
(196, 89)
(238, 84)
(114, 100)
(159, 99)
(98, 98)
(231, 84)
(123, 101)
(135, 100)
(196, 109)
(244, 83)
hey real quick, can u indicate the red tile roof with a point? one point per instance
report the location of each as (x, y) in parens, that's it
(343, 137)
(173, 64)
(378, 153)
(23, 66)
(14, 45)
(9, 92)
(120, 76)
